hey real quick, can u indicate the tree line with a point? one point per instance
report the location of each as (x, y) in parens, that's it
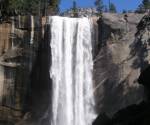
(39, 7)
(142, 8)
(103, 8)
(24, 7)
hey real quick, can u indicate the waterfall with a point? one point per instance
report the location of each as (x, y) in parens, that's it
(71, 71)
(32, 30)
(1, 83)
(19, 21)
(13, 32)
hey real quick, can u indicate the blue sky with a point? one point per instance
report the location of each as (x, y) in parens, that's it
(120, 4)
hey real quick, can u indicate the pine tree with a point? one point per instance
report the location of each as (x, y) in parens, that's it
(112, 8)
(74, 9)
(124, 11)
(4, 7)
(24, 6)
(106, 9)
(44, 6)
(146, 4)
(99, 6)
(17, 6)
(54, 5)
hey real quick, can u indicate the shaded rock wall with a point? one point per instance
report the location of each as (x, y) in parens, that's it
(17, 55)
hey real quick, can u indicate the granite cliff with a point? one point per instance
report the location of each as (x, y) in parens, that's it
(120, 53)
(130, 105)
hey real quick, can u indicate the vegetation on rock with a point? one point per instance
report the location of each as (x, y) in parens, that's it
(75, 9)
(144, 6)
(112, 8)
(99, 6)
(24, 7)
(54, 5)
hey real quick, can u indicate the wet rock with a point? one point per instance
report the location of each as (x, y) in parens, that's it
(102, 119)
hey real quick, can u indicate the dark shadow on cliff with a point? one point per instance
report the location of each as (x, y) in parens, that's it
(135, 114)
(6, 123)
(105, 76)
(41, 84)
(140, 52)
(112, 94)
(104, 34)
(139, 47)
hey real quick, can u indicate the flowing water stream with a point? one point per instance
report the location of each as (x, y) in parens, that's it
(71, 71)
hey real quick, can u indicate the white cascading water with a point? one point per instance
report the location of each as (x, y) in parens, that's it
(71, 71)
(19, 21)
(13, 32)
(1, 83)
(32, 30)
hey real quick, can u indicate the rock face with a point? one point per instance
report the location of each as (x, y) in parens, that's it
(5, 29)
(137, 59)
(135, 114)
(122, 52)
(120, 49)
(17, 54)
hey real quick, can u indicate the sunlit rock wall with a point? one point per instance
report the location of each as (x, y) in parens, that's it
(5, 29)
(120, 57)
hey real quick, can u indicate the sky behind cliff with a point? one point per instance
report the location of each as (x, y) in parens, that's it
(120, 4)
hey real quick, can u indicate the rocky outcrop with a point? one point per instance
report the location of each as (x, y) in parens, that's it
(132, 111)
(120, 49)
(135, 114)
(121, 55)
(19, 44)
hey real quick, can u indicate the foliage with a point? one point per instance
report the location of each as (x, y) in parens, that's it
(106, 9)
(144, 6)
(112, 8)
(75, 9)
(99, 5)
(54, 5)
(24, 6)
(4, 6)
(124, 11)
(35, 7)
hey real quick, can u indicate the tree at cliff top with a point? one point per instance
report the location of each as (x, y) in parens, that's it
(99, 6)
(3, 7)
(54, 6)
(112, 8)
(144, 6)
(106, 9)
(75, 9)
(124, 11)
(23, 7)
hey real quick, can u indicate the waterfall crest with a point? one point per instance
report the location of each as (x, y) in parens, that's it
(71, 71)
